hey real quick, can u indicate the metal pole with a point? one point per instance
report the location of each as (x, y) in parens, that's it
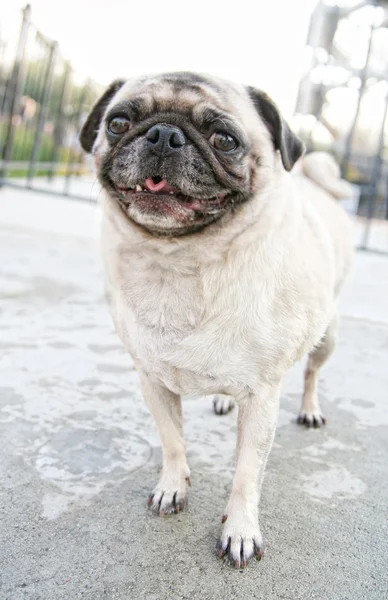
(386, 201)
(13, 90)
(5, 77)
(348, 151)
(76, 119)
(375, 178)
(42, 112)
(60, 118)
(332, 18)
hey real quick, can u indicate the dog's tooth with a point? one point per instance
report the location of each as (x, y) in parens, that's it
(171, 193)
(138, 188)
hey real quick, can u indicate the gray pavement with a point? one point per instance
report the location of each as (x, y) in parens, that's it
(80, 453)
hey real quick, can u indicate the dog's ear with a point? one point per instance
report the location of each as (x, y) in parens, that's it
(290, 146)
(90, 129)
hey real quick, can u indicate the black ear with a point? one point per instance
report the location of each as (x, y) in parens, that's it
(290, 146)
(90, 129)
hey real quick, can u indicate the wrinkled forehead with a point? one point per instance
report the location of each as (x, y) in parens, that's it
(183, 92)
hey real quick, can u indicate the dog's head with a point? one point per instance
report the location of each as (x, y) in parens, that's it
(178, 151)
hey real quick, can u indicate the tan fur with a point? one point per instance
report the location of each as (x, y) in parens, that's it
(321, 168)
(228, 311)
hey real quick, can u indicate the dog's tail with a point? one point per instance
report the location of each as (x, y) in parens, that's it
(321, 168)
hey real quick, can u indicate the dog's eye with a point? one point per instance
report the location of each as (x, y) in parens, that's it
(223, 142)
(118, 125)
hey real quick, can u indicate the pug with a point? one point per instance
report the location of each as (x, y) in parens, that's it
(222, 269)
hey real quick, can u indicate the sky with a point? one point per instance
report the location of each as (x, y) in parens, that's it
(255, 42)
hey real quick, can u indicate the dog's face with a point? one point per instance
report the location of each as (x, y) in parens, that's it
(178, 151)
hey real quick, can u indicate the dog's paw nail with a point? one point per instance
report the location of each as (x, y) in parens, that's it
(188, 481)
(259, 553)
(220, 550)
(224, 517)
(149, 501)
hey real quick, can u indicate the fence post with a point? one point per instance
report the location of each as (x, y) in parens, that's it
(42, 112)
(60, 118)
(364, 75)
(375, 179)
(77, 118)
(13, 90)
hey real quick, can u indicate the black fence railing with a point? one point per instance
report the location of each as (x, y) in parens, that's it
(42, 107)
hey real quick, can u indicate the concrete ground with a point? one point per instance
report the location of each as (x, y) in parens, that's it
(80, 453)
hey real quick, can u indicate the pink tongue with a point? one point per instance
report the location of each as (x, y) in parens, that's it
(162, 186)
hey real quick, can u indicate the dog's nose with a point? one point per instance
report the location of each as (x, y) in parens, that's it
(164, 138)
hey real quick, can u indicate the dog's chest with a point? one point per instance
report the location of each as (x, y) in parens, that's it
(163, 294)
(177, 319)
(156, 302)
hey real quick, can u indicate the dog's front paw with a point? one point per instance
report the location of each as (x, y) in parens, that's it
(240, 539)
(170, 495)
(223, 404)
(311, 419)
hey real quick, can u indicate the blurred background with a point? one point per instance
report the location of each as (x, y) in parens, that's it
(325, 63)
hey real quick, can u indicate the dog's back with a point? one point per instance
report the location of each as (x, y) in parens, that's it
(319, 180)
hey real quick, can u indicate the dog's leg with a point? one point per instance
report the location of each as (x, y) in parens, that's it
(310, 412)
(169, 496)
(223, 404)
(241, 537)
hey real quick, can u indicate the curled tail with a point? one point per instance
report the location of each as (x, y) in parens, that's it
(321, 168)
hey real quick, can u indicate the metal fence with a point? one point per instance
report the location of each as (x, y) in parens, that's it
(42, 107)
(343, 103)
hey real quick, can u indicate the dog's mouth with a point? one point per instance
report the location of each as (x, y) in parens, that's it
(160, 194)
(164, 209)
